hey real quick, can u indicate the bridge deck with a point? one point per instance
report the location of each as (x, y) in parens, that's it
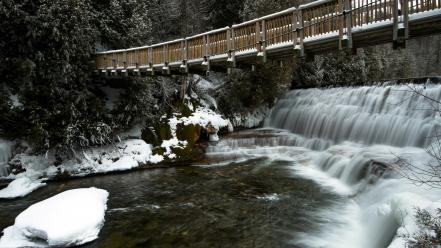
(312, 28)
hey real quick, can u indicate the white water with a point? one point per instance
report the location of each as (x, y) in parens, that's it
(370, 115)
(5, 156)
(348, 141)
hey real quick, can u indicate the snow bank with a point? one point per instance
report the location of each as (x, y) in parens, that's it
(71, 218)
(20, 187)
(124, 155)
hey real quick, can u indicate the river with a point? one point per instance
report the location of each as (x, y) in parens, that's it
(322, 173)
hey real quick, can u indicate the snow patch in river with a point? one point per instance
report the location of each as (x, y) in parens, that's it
(71, 218)
(21, 187)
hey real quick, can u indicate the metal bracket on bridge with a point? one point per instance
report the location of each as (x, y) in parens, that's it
(150, 70)
(206, 64)
(231, 61)
(183, 68)
(166, 69)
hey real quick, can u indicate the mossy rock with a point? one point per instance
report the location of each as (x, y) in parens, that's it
(190, 133)
(156, 134)
(149, 136)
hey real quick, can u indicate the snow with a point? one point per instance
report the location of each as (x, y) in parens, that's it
(251, 119)
(173, 143)
(20, 187)
(269, 197)
(124, 155)
(134, 133)
(246, 52)
(314, 3)
(404, 211)
(424, 15)
(205, 117)
(71, 218)
(15, 101)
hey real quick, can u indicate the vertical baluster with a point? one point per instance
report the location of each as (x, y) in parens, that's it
(376, 11)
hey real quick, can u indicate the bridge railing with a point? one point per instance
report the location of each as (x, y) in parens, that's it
(417, 6)
(311, 21)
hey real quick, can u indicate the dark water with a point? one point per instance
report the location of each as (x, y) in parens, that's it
(196, 206)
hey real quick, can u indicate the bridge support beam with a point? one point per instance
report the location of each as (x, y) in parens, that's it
(183, 68)
(150, 70)
(206, 64)
(166, 69)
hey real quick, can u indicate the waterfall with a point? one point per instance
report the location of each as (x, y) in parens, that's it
(5, 156)
(350, 140)
(391, 115)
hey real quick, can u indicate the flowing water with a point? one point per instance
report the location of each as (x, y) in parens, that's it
(322, 173)
(5, 156)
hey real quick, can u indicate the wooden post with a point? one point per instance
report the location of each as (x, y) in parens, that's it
(258, 38)
(261, 41)
(295, 33)
(395, 23)
(165, 68)
(405, 11)
(115, 60)
(340, 24)
(400, 26)
(150, 61)
(348, 17)
(150, 57)
(262, 53)
(206, 55)
(302, 33)
(137, 59)
(125, 59)
(184, 54)
(231, 62)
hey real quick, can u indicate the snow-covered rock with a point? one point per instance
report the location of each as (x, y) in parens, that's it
(71, 218)
(20, 187)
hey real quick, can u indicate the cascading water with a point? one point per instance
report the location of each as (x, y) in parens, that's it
(349, 141)
(5, 156)
(390, 115)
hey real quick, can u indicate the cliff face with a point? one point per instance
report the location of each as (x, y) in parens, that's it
(427, 55)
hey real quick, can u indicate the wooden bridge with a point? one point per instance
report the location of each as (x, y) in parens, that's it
(313, 28)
